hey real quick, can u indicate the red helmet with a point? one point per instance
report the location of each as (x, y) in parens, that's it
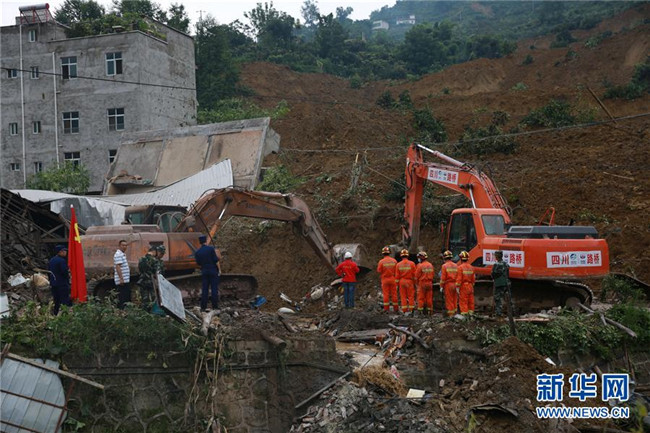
(404, 253)
(385, 250)
(447, 254)
(464, 256)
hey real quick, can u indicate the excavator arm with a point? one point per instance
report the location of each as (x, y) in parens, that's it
(210, 210)
(455, 175)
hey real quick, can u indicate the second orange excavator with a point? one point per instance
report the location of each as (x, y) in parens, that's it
(547, 262)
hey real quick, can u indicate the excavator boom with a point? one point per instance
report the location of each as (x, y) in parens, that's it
(210, 210)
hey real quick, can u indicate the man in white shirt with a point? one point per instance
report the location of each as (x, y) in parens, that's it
(122, 275)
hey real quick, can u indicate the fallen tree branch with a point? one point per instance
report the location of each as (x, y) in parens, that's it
(276, 342)
(611, 322)
(287, 324)
(320, 391)
(409, 333)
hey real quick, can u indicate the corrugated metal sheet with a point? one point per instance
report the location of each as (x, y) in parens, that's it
(29, 382)
(185, 191)
(109, 210)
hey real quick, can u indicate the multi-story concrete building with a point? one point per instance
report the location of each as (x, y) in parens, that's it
(70, 99)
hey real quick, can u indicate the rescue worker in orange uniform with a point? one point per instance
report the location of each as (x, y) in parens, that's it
(386, 268)
(448, 276)
(424, 274)
(465, 283)
(405, 275)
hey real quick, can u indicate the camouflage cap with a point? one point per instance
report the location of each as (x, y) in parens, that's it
(161, 249)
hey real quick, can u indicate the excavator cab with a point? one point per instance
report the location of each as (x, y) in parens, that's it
(462, 232)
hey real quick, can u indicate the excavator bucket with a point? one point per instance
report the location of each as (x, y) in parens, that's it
(359, 254)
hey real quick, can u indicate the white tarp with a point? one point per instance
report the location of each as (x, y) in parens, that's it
(109, 210)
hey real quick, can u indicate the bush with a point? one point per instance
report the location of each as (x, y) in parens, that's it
(429, 128)
(386, 100)
(519, 86)
(555, 114)
(279, 179)
(618, 289)
(405, 99)
(227, 110)
(486, 140)
(96, 327)
(528, 60)
(636, 88)
(563, 39)
(355, 81)
(70, 178)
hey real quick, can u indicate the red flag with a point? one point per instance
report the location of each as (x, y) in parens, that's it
(76, 262)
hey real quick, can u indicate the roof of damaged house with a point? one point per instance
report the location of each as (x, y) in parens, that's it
(150, 159)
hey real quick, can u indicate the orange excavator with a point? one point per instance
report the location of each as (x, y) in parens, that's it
(547, 262)
(205, 217)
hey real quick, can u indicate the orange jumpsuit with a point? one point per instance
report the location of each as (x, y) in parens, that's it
(424, 274)
(448, 284)
(405, 274)
(386, 269)
(465, 282)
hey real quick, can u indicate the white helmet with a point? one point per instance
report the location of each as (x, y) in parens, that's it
(348, 255)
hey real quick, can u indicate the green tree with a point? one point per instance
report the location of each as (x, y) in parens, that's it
(342, 14)
(178, 18)
(330, 38)
(424, 48)
(272, 28)
(71, 178)
(310, 13)
(140, 7)
(217, 74)
(74, 11)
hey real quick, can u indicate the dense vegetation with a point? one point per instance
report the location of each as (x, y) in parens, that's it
(445, 33)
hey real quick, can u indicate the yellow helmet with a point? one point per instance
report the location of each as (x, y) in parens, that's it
(464, 256)
(447, 254)
(404, 253)
(423, 254)
(385, 250)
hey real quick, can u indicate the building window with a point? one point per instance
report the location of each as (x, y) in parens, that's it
(71, 122)
(115, 119)
(73, 157)
(36, 127)
(113, 63)
(12, 73)
(69, 67)
(111, 155)
(38, 167)
(31, 36)
(14, 166)
(13, 129)
(34, 73)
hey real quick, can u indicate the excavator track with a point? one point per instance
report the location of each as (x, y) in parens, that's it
(529, 296)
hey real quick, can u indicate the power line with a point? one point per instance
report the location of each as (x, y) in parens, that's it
(106, 79)
(472, 140)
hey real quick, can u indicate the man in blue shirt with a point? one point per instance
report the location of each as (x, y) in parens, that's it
(206, 257)
(59, 278)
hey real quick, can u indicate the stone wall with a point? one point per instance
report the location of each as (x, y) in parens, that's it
(253, 389)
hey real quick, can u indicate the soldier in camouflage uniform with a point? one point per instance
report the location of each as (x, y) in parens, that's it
(500, 276)
(148, 267)
(161, 250)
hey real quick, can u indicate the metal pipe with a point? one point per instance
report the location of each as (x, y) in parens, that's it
(22, 102)
(471, 195)
(442, 156)
(56, 115)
